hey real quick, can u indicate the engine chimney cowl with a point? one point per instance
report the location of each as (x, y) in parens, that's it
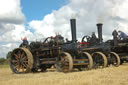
(99, 28)
(73, 29)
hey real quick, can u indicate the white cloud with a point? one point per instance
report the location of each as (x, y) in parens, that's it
(43, 29)
(87, 12)
(6, 48)
(10, 12)
(11, 26)
(112, 13)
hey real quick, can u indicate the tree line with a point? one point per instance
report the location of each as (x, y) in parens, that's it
(4, 61)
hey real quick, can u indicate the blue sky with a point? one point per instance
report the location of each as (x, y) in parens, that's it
(37, 9)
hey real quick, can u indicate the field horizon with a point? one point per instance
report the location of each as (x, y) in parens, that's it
(106, 76)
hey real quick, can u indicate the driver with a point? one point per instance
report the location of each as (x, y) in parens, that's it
(25, 41)
(93, 38)
(93, 35)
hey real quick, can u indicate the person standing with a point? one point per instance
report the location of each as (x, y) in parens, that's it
(123, 35)
(94, 39)
(93, 35)
(115, 39)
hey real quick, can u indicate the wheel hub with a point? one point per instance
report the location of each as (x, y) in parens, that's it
(20, 62)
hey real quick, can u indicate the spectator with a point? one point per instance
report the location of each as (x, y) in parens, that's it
(115, 39)
(123, 35)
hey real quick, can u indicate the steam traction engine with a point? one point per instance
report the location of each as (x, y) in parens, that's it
(121, 48)
(101, 52)
(52, 51)
(64, 55)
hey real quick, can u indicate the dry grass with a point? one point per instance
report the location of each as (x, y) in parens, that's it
(106, 76)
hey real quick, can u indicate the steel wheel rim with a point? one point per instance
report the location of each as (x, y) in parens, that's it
(65, 63)
(115, 59)
(90, 60)
(99, 61)
(21, 60)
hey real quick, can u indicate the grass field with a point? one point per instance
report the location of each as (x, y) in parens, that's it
(106, 76)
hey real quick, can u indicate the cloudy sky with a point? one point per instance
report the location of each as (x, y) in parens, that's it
(38, 19)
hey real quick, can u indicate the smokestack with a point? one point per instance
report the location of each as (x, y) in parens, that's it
(73, 29)
(99, 28)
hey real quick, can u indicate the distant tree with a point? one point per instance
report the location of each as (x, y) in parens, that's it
(6, 61)
(2, 60)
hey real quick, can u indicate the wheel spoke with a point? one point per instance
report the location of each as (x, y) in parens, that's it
(25, 61)
(17, 66)
(22, 55)
(24, 58)
(24, 65)
(19, 53)
(16, 56)
(14, 61)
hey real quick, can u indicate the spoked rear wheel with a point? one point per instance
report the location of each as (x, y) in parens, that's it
(65, 63)
(90, 61)
(115, 59)
(87, 59)
(99, 59)
(21, 60)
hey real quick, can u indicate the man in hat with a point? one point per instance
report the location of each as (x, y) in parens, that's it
(25, 41)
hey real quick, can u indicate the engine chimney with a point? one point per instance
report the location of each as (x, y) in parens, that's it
(73, 29)
(99, 28)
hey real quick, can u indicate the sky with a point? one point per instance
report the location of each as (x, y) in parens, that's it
(37, 9)
(38, 19)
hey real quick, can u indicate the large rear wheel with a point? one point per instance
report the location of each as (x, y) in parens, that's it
(21, 60)
(115, 59)
(99, 59)
(86, 55)
(86, 58)
(64, 63)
